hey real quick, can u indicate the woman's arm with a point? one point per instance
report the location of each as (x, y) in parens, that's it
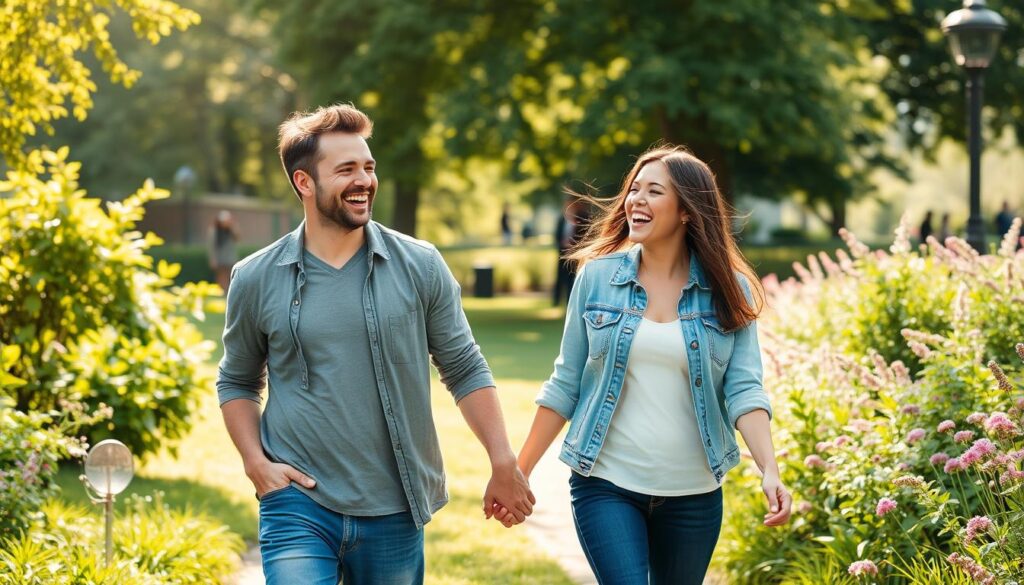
(756, 430)
(546, 426)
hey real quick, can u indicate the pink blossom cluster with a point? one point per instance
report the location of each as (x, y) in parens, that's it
(938, 459)
(972, 568)
(977, 526)
(963, 436)
(978, 451)
(813, 461)
(885, 505)
(945, 426)
(915, 435)
(858, 568)
(1000, 425)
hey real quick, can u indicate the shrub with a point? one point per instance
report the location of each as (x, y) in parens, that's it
(30, 445)
(152, 544)
(96, 321)
(853, 416)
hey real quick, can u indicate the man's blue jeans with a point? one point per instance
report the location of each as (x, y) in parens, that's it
(636, 539)
(303, 542)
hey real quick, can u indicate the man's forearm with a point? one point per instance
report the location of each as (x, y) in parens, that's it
(482, 412)
(242, 419)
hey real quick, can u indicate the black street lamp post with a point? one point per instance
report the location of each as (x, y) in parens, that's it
(973, 33)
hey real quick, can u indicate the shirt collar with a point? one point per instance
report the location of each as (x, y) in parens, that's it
(293, 246)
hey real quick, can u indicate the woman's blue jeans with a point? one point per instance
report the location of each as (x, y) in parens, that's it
(636, 539)
(303, 542)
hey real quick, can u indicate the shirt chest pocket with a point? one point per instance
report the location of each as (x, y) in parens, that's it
(720, 341)
(404, 338)
(600, 329)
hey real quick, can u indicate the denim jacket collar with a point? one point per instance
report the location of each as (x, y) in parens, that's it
(630, 264)
(292, 252)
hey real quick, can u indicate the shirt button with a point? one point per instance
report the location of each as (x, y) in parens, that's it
(698, 382)
(694, 345)
(295, 302)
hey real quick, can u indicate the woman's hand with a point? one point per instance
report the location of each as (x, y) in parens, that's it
(779, 500)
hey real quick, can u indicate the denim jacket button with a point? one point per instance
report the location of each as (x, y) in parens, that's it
(295, 302)
(694, 345)
(698, 382)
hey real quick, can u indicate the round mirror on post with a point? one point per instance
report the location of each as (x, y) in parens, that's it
(109, 467)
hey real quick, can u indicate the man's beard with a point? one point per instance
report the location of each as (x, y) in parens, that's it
(332, 209)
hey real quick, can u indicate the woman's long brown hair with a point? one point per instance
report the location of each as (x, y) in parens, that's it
(708, 233)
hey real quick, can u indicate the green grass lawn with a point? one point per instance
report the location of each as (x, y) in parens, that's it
(519, 337)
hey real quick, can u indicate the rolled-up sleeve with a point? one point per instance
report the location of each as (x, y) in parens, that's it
(743, 382)
(453, 350)
(243, 369)
(561, 392)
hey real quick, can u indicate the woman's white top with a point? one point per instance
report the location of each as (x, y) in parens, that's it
(653, 445)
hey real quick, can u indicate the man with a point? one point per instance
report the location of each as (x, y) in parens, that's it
(341, 315)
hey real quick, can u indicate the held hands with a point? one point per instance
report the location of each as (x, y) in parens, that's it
(508, 498)
(268, 476)
(779, 500)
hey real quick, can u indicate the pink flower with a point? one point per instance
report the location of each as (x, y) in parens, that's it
(938, 459)
(858, 568)
(822, 446)
(841, 440)
(814, 461)
(984, 447)
(963, 436)
(915, 436)
(911, 409)
(976, 418)
(885, 505)
(969, 457)
(953, 465)
(1000, 425)
(976, 526)
(946, 426)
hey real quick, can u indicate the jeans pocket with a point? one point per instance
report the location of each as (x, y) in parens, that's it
(273, 492)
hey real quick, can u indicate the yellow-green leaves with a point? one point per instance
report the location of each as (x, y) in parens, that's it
(43, 42)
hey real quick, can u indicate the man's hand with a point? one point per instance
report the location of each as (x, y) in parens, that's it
(268, 476)
(508, 489)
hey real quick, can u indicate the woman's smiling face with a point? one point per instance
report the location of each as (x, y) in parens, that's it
(652, 206)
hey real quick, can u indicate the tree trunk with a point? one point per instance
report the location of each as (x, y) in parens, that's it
(407, 199)
(838, 207)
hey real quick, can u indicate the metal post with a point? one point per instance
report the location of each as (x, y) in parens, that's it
(975, 223)
(108, 512)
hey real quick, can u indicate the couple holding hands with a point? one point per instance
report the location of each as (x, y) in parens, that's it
(659, 363)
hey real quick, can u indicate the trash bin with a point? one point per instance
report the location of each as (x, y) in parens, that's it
(483, 281)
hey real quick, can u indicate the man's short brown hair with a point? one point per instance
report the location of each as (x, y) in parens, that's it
(299, 136)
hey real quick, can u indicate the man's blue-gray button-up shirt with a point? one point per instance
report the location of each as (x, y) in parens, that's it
(412, 306)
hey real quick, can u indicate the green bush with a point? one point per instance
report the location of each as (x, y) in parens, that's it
(152, 544)
(95, 319)
(857, 427)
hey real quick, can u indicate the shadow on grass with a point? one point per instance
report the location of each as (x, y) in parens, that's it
(179, 494)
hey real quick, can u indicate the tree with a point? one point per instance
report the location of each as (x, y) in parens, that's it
(924, 82)
(776, 100)
(211, 99)
(383, 57)
(42, 42)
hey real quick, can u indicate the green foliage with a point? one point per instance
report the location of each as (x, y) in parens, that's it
(43, 41)
(851, 417)
(152, 544)
(96, 321)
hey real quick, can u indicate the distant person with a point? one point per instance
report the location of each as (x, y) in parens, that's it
(567, 233)
(506, 226)
(926, 227)
(944, 230)
(527, 231)
(1004, 219)
(223, 251)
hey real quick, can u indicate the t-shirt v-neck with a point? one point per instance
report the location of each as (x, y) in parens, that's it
(312, 261)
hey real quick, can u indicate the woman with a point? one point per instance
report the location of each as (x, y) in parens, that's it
(222, 251)
(659, 362)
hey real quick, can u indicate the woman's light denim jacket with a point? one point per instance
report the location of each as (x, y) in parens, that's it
(605, 309)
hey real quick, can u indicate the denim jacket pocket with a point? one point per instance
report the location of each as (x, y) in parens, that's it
(600, 329)
(403, 338)
(721, 342)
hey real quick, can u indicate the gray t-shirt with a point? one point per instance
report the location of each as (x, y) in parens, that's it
(335, 431)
